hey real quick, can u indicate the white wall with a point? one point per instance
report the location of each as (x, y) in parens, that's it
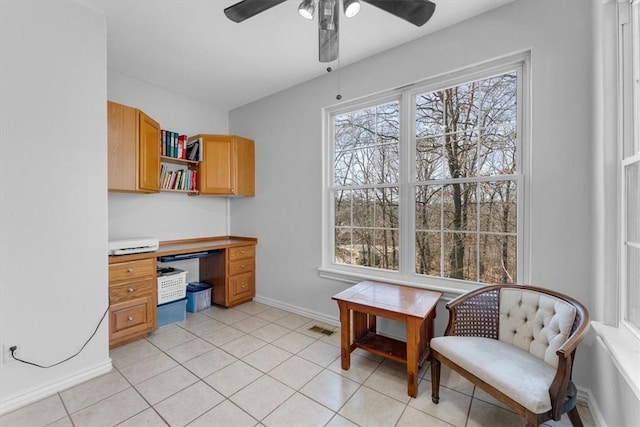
(617, 404)
(287, 130)
(53, 198)
(166, 215)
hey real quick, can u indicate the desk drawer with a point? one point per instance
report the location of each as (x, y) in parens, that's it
(240, 267)
(241, 287)
(242, 252)
(131, 317)
(132, 270)
(131, 290)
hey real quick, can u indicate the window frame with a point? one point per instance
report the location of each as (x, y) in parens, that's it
(618, 339)
(629, 135)
(406, 95)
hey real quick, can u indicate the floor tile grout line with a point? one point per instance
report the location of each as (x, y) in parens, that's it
(70, 414)
(66, 410)
(143, 398)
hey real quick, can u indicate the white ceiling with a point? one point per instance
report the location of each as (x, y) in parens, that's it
(190, 47)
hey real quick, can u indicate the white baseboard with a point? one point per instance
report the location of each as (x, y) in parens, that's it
(52, 388)
(586, 397)
(320, 317)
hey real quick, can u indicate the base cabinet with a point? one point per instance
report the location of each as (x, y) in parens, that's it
(132, 299)
(238, 285)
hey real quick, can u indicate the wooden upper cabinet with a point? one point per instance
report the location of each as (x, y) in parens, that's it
(228, 165)
(134, 150)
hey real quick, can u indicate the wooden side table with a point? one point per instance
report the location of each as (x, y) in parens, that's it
(414, 306)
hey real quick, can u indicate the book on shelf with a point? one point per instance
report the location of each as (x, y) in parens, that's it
(180, 179)
(173, 144)
(193, 148)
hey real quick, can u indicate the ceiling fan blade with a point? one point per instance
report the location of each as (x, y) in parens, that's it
(415, 11)
(248, 8)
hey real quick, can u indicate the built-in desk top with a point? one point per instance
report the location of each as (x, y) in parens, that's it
(186, 246)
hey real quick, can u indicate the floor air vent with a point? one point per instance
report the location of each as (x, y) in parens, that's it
(320, 330)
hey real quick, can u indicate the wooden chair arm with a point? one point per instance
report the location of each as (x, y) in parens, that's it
(566, 354)
(580, 327)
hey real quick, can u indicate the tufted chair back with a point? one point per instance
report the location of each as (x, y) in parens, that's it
(535, 322)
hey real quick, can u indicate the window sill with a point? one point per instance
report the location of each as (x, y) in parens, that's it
(449, 290)
(624, 347)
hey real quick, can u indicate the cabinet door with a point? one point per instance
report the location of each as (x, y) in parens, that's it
(122, 138)
(215, 168)
(228, 166)
(149, 153)
(245, 167)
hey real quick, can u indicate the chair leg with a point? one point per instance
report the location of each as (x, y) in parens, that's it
(574, 417)
(435, 380)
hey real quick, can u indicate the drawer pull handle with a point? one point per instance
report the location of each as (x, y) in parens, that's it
(243, 266)
(130, 318)
(130, 270)
(243, 252)
(130, 290)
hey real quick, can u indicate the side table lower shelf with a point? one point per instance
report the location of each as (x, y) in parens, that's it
(389, 348)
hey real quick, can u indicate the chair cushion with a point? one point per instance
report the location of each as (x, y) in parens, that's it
(513, 371)
(535, 322)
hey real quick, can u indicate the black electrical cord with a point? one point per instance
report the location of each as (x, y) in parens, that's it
(14, 348)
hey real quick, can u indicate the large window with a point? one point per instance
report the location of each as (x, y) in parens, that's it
(428, 182)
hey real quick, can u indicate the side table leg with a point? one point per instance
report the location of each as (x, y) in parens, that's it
(345, 335)
(413, 355)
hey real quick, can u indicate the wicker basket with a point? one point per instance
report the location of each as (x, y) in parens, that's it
(172, 286)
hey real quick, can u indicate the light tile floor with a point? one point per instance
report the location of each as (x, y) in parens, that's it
(258, 365)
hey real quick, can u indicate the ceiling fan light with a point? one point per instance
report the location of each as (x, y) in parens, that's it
(351, 8)
(328, 24)
(306, 9)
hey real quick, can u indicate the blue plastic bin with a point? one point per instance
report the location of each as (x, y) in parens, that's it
(198, 296)
(172, 312)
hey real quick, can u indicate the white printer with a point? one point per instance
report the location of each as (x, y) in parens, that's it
(133, 246)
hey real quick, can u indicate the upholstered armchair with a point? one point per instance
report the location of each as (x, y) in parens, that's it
(518, 344)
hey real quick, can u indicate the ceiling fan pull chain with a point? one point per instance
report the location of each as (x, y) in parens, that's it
(339, 96)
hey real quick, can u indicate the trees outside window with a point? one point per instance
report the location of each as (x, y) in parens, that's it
(366, 174)
(465, 189)
(429, 182)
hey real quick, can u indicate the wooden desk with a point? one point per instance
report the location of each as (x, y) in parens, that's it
(228, 264)
(414, 306)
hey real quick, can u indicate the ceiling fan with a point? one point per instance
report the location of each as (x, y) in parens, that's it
(416, 12)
